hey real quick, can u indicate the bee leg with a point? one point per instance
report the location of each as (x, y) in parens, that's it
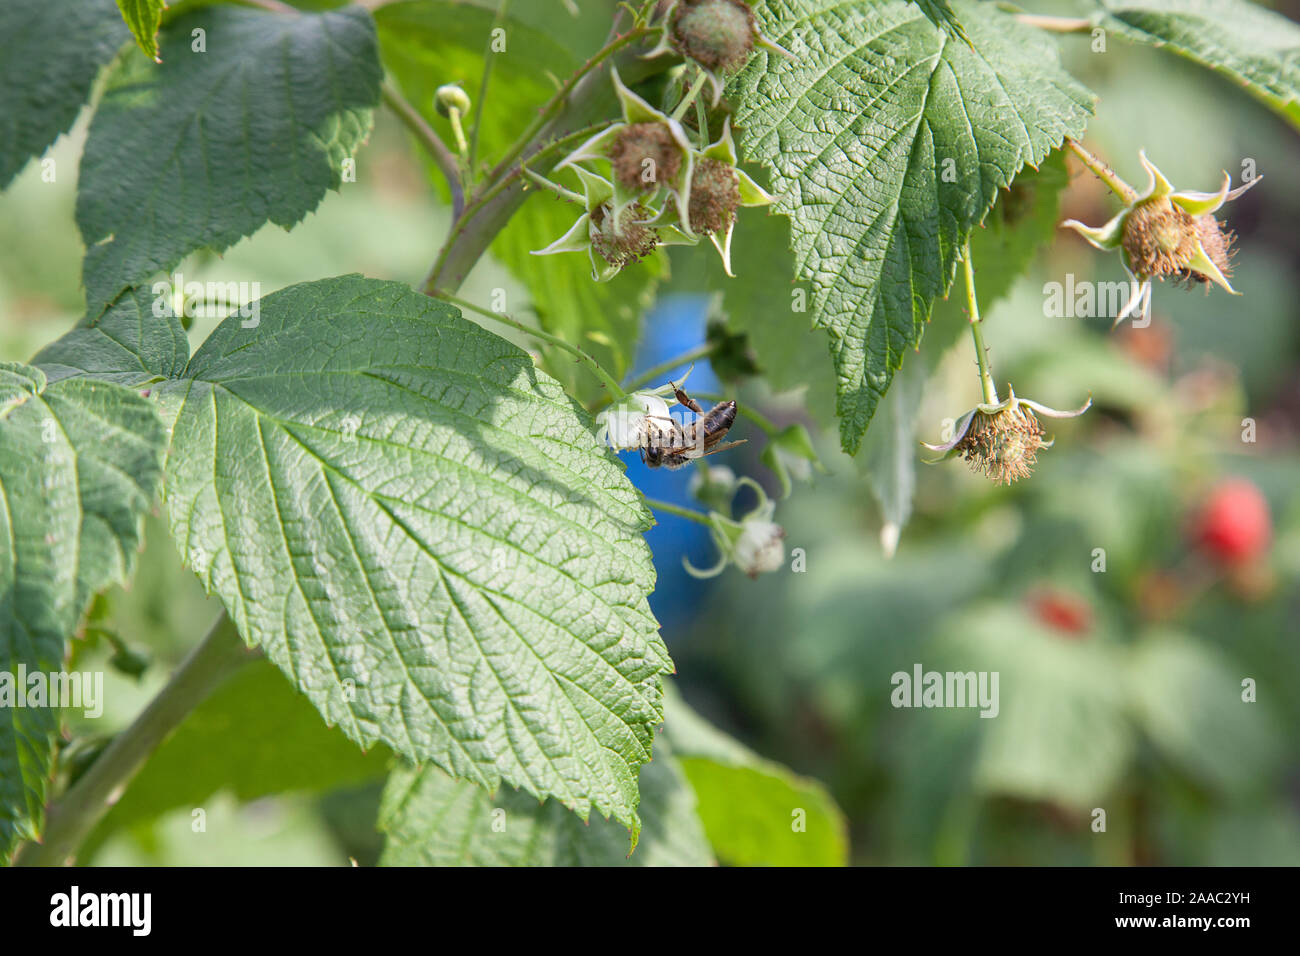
(684, 399)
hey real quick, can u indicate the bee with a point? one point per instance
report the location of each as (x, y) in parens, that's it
(668, 443)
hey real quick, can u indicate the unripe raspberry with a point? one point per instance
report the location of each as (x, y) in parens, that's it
(715, 194)
(645, 156)
(717, 34)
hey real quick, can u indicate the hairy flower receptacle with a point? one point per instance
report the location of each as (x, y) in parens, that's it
(715, 194)
(717, 34)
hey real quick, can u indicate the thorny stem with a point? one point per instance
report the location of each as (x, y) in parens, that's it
(691, 94)
(1107, 175)
(610, 382)
(669, 508)
(484, 198)
(430, 140)
(981, 350)
(556, 188)
(556, 102)
(488, 60)
(581, 99)
(70, 820)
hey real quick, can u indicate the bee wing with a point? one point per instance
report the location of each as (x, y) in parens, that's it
(695, 453)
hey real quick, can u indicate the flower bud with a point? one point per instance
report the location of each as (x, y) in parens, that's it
(449, 97)
(760, 548)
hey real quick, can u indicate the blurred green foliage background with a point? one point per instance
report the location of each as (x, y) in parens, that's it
(1120, 690)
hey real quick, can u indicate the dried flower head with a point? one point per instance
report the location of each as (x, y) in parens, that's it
(1166, 233)
(1001, 441)
(612, 236)
(647, 151)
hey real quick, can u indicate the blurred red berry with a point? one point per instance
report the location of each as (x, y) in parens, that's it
(1233, 525)
(1061, 611)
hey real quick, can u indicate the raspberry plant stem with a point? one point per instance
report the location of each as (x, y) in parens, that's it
(70, 820)
(609, 381)
(430, 140)
(700, 78)
(1107, 175)
(981, 350)
(704, 350)
(672, 509)
(489, 58)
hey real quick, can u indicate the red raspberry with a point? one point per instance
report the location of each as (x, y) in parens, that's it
(1233, 525)
(1061, 611)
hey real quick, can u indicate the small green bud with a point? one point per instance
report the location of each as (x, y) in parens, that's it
(449, 97)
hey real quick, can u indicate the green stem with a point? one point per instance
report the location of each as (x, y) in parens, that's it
(1107, 175)
(71, 819)
(489, 58)
(422, 131)
(693, 92)
(669, 508)
(556, 188)
(556, 102)
(981, 350)
(462, 147)
(585, 98)
(702, 121)
(558, 342)
(703, 350)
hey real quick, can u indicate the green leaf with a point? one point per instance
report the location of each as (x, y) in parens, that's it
(253, 737)
(604, 318)
(755, 812)
(419, 527)
(1189, 701)
(942, 16)
(50, 53)
(433, 820)
(1061, 730)
(159, 177)
(764, 302)
(1255, 47)
(80, 462)
(130, 344)
(143, 17)
(887, 142)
